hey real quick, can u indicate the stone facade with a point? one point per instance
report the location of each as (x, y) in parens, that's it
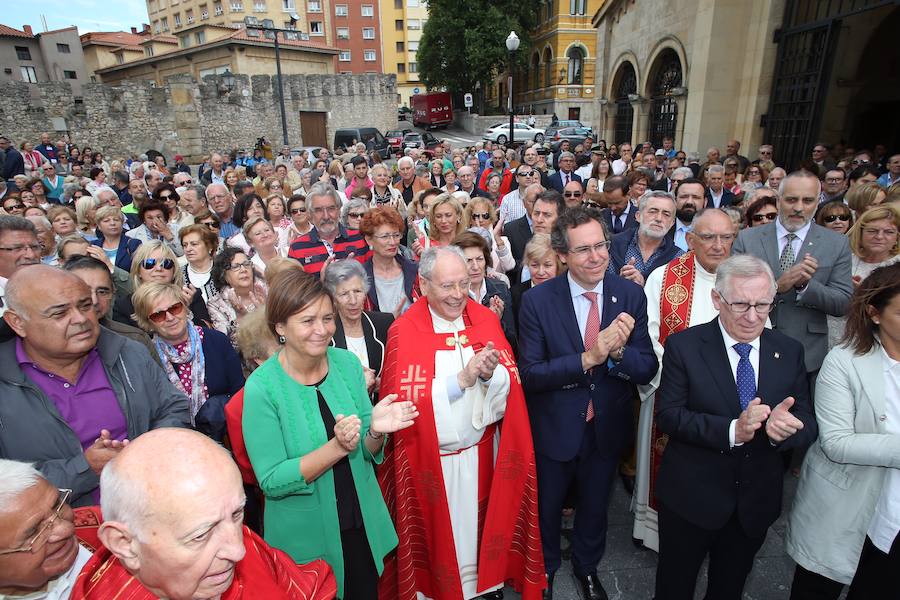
(184, 117)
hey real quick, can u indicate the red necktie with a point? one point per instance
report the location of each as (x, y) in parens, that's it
(591, 333)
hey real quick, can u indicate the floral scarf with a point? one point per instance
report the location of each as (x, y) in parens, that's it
(185, 367)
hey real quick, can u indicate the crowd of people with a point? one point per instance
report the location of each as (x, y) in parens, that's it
(328, 375)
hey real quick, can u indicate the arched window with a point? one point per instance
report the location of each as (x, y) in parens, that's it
(548, 68)
(663, 108)
(535, 71)
(626, 84)
(576, 65)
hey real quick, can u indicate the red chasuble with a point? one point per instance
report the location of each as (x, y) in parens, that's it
(264, 573)
(674, 316)
(412, 481)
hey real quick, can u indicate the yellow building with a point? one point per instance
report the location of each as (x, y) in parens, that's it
(108, 48)
(559, 78)
(211, 49)
(402, 22)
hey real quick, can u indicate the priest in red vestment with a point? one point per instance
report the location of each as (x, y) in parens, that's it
(460, 483)
(172, 502)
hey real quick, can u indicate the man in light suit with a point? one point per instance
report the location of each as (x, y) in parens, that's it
(581, 350)
(813, 272)
(720, 481)
(565, 174)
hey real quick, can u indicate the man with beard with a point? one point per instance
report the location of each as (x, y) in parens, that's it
(678, 297)
(635, 253)
(689, 198)
(72, 393)
(811, 264)
(328, 240)
(619, 214)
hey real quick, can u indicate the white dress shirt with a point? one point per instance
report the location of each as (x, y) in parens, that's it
(796, 243)
(582, 305)
(733, 359)
(717, 199)
(886, 521)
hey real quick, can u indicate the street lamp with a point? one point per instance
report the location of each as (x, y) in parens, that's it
(228, 80)
(270, 31)
(512, 44)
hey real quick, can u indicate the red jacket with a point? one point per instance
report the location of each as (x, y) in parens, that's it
(505, 183)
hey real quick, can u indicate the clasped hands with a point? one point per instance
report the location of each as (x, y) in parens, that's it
(609, 341)
(388, 416)
(799, 275)
(481, 365)
(780, 424)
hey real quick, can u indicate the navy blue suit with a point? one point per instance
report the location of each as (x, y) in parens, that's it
(727, 199)
(630, 220)
(556, 181)
(557, 391)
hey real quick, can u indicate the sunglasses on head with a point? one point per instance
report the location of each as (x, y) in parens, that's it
(165, 263)
(760, 217)
(833, 218)
(159, 316)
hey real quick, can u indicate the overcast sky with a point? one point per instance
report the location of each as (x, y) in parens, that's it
(87, 15)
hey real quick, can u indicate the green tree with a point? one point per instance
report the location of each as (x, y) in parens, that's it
(464, 41)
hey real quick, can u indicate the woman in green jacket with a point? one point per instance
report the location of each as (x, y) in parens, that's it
(312, 436)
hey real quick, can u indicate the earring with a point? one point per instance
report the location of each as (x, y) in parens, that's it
(876, 322)
(281, 339)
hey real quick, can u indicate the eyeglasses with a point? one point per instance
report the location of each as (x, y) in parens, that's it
(766, 152)
(20, 248)
(238, 266)
(323, 209)
(449, 288)
(585, 251)
(761, 308)
(159, 316)
(760, 217)
(31, 544)
(525, 173)
(723, 238)
(355, 215)
(150, 263)
(833, 179)
(484, 216)
(388, 236)
(833, 218)
(572, 194)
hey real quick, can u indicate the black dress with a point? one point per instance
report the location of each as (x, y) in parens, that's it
(360, 574)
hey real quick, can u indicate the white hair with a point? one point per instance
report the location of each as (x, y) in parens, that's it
(211, 186)
(430, 257)
(742, 266)
(15, 478)
(320, 189)
(122, 498)
(801, 174)
(718, 169)
(405, 160)
(651, 194)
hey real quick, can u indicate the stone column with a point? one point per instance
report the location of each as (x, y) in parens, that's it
(681, 104)
(641, 123)
(187, 119)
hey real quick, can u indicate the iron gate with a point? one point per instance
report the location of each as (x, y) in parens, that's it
(624, 122)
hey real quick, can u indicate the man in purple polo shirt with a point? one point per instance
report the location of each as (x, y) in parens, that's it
(71, 393)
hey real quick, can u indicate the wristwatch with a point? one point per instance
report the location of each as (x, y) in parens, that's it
(373, 435)
(617, 356)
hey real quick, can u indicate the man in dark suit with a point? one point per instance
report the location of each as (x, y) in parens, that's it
(813, 271)
(519, 231)
(619, 214)
(580, 351)
(716, 194)
(733, 396)
(566, 172)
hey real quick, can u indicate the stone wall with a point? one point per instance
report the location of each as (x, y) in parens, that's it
(190, 118)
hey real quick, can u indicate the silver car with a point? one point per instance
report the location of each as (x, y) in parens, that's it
(500, 133)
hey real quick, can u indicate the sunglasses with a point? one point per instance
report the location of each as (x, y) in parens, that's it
(297, 211)
(356, 215)
(573, 194)
(760, 217)
(159, 316)
(15, 206)
(209, 224)
(833, 218)
(525, 173)
(484, 216)
(165, 263)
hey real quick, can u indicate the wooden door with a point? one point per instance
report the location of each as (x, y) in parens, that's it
(312, 129)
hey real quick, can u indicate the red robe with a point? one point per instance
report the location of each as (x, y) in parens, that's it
(411, 477)
(264, 573)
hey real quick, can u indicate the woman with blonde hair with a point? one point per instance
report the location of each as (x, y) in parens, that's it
(863, 197)
(263, 239)
(446, 219)
(85, 212)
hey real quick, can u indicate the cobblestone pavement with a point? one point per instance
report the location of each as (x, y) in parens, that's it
(628, 573)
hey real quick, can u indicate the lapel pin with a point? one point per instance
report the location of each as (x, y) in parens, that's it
(614, 299)
(777, 355)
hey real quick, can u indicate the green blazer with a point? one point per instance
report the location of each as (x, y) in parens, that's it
(281, 423)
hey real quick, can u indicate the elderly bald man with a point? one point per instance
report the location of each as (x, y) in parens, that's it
(72, 393)
(173, 505)
(39, 554)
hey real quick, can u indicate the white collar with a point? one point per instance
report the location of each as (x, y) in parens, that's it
(703, 272)
(576, 290)
(442, 325)
(730, 341)
(780, 230)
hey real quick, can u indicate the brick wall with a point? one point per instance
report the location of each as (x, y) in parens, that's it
(190, 118)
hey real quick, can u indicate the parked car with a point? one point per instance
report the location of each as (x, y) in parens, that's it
(395, 138)
(500, 133)
(423, 141)
(404, 113)
(575, 135)
(370, 136)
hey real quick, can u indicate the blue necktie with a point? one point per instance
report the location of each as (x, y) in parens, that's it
(746, 378)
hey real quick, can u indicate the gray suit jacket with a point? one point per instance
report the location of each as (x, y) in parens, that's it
(828, 292)
(845, 469)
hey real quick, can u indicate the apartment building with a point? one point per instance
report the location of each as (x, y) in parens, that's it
(403, 21)
(39, 57)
